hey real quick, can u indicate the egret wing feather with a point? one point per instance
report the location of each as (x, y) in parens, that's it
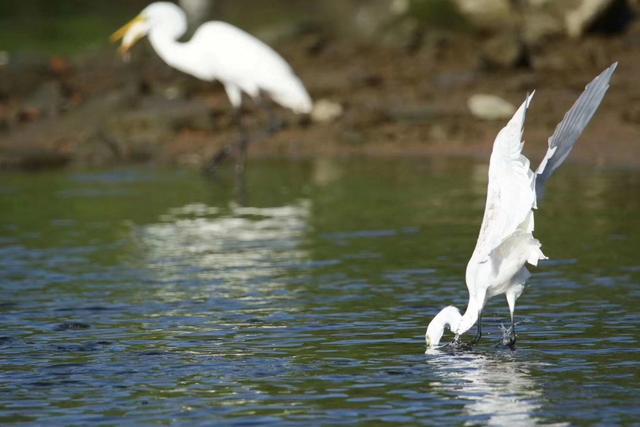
(233, 55)
(506, 243)
(571, 127)
(510, 192)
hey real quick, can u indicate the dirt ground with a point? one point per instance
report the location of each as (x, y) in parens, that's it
(98, 111)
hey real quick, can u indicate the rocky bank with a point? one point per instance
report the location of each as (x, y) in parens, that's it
(404, 93)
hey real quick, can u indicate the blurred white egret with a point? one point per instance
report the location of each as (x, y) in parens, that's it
(506, 243)
(218, 51)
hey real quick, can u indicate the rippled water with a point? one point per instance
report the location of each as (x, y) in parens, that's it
(152, 297)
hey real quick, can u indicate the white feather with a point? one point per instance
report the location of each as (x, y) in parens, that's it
(223, 52)
(506, 243)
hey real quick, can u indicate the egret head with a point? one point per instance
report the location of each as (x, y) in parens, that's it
(164, 17)
(448, 316)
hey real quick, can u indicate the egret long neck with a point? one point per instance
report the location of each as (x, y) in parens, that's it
(448, 316)
(176, 54)
(471, 315)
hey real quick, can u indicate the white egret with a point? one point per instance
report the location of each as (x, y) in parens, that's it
(506, 243)
(218, 51)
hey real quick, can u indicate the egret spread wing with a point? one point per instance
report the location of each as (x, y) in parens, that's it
(571, 127)
(510, 193)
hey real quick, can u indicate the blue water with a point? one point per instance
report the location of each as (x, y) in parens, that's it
(147, 296)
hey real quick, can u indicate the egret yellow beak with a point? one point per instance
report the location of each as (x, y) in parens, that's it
(130, 34)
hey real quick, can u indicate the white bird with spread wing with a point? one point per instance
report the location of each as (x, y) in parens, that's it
(506, 243)
(218, 51)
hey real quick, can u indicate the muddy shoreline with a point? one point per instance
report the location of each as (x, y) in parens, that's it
(96, 111)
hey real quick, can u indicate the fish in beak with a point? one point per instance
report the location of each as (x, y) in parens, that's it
(130, 34)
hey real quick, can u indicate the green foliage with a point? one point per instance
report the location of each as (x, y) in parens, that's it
(438, 13)
(60, 27)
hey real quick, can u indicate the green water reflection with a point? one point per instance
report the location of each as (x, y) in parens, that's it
(309, 303)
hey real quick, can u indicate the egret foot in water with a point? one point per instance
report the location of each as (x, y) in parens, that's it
(509, 336)
(456, 342)
(458, 345)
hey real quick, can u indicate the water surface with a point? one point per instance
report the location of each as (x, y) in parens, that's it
(146, 296)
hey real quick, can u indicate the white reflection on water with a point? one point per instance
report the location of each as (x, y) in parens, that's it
(498, 389)
(235, 245)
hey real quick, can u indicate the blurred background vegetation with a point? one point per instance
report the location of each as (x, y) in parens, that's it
(395, 76)
(72, 26)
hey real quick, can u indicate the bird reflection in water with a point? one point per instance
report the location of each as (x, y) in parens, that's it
(230, 249)
(498, 389)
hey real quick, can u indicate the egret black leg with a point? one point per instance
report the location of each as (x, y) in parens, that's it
(240, 188)
(241, 156)
(238, 148)
(275, 124)
(242, 147)
(478, 336)
(218, 159)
